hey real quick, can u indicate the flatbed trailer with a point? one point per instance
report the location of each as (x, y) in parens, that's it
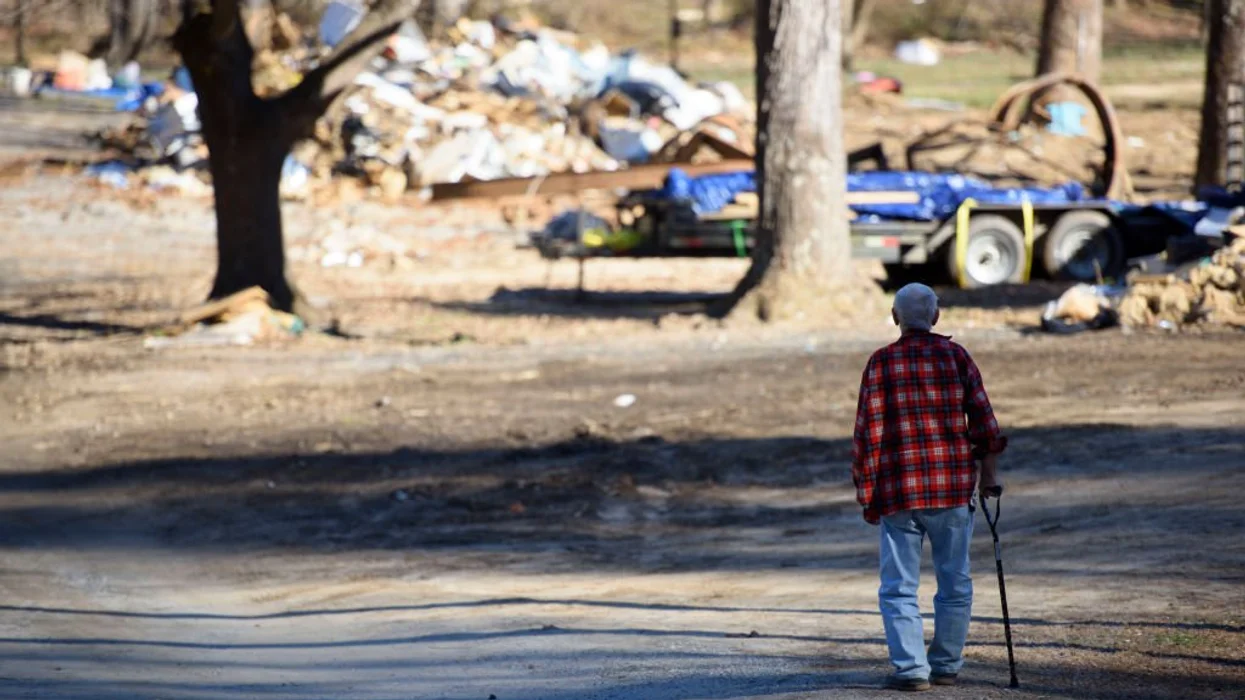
(978, 245)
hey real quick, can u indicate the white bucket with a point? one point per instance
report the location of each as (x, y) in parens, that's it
(19, 81)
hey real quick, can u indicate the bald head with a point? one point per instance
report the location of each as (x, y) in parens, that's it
(916, 308)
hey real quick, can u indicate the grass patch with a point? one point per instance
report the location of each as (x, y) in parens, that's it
(1183, 640)
(1136, 76)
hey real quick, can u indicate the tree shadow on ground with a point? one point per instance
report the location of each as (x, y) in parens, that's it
(606, 506)
(519, 602)
(654, 305)
(1003, 296)
(573, 303)
(693, 664)
(594, 502)
(54, 322)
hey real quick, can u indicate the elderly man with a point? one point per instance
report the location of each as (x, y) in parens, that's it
(922, 424)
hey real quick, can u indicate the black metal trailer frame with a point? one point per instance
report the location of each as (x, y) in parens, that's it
(979, 245)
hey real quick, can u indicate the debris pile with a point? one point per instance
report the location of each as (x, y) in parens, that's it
(1209, 291)
(242, 318)
(496, 100)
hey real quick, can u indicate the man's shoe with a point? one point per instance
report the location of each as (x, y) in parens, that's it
(907, 684)
(942, 678)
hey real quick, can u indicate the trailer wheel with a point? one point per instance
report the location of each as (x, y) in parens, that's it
(1078, 240)
(996, 252)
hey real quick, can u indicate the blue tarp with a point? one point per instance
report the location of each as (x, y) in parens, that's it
(940, 195)
(708, 193)
(126, 99)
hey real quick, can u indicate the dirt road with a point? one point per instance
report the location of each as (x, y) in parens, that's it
(322, 521)
(446, 500)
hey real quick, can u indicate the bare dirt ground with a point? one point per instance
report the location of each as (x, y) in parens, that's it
(442, 499)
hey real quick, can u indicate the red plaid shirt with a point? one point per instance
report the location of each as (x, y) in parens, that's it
(922, 421)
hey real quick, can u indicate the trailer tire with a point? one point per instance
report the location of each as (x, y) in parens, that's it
(996, 253)
(1077, 239)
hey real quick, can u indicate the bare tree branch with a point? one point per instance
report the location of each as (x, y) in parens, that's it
(321, 87)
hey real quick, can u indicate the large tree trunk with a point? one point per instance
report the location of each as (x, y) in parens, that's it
(247, 143)
(131, 26)
(1071, 39)
(857, 15)
(847, 52)
(803, 249)
(1225, 53)
(19, 31)
(249, 137)
(246, 173)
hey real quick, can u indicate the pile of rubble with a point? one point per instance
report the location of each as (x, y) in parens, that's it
(1211, 291)
(498, 99)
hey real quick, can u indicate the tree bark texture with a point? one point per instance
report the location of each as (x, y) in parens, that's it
(1221, 101)
(19, 32)
(1071, 39)
(803, 246)
(857, 15)
(248, 137)
(131, 27)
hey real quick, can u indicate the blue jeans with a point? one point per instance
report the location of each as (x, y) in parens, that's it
(950, 531)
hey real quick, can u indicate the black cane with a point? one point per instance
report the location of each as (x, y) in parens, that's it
(997, 493)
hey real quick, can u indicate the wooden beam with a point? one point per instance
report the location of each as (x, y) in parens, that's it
(633, 178)
(746, 204)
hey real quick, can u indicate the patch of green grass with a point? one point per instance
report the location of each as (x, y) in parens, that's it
(974, 80)
(1184, 640)
(1136, 75)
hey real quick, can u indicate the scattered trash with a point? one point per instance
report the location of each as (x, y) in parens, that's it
(338, 20)
(20, 80)
(112, 173)
(495, 102)
(239, 319)
(922, 52)
(174, 126)
(130, 76)
(1065, 118)
(71, 71)
(294, 179)
(1082, 308)
(383, 402)
(625, 400)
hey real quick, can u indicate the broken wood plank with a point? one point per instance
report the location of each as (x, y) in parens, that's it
(636, 177)
(859, 198)
(746, 204)
(212, 309)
